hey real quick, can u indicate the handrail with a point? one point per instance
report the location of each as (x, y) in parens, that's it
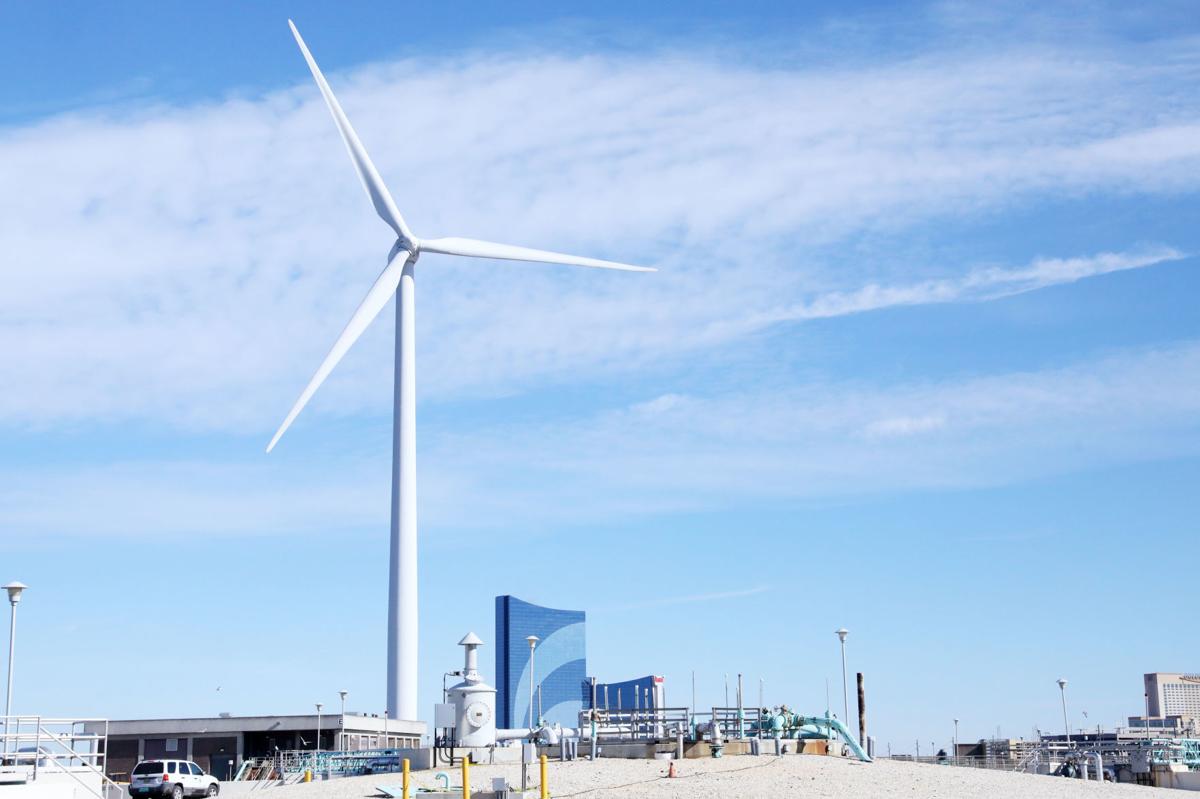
(92, 760)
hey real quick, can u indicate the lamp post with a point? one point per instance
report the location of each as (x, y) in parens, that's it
(532, 639)
(841, 634)
(317, 743)
(14, 590)
(956, 742)
(342, 730)
(1062, 688)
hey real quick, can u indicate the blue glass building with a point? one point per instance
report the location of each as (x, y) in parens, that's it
(621, 695)
(560, 660)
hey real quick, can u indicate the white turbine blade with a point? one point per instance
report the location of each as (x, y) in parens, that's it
(486, 249)
(368, 309)
(376, 190)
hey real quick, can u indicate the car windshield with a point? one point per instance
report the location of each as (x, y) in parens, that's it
(151, 767)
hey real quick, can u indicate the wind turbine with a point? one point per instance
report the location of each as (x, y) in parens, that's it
(398, 275)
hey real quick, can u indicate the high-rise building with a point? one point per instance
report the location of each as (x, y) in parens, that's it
(1173, 694)
(560, 664)
(643, 693)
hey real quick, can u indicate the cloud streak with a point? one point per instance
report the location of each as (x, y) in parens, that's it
(758, 445)
(186, 267)
(977, 285)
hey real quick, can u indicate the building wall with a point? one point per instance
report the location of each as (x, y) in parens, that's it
(1173, 694)
(560, 662)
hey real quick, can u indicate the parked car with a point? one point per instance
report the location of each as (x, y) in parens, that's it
(171, 778)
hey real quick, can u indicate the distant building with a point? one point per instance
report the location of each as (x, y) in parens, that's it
(560, 663)
(1173, 694)
(642, 693)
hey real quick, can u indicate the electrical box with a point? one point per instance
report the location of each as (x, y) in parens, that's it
(443, 715)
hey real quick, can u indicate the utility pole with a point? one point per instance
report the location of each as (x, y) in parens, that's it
(862, 712)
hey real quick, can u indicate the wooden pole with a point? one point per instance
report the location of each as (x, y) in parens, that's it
(862, 713)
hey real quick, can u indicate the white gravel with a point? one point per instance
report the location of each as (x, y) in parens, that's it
(748, 776)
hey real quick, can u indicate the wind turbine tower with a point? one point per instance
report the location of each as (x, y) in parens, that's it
(398, 277)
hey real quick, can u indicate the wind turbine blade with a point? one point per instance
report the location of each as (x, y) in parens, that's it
(376, 190)
(368, 309)
(475, 248)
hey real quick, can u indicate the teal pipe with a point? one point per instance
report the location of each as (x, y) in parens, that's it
(834, 724)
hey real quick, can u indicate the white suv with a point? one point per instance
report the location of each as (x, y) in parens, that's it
(171, 778)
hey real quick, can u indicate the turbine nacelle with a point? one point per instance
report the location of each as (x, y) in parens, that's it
(411, 246)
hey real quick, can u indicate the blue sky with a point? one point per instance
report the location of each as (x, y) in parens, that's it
(920, 360)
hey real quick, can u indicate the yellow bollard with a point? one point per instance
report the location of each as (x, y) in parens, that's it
(404, 782)
(308, 775)
(466, 761)
(545, 787)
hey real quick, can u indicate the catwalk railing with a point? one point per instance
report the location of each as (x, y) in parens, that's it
(1115, 752)
(285, 764)
(653, 724)
(34, 748)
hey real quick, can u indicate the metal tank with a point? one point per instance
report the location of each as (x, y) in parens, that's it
(474, 700)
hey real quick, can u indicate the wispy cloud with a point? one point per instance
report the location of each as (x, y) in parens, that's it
(188, 266)
(690, 453)
(976, 285)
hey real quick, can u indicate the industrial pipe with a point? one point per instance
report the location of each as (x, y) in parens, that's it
(1099, 765)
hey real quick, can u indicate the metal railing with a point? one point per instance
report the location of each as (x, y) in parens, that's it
(652, 724)
(285, 764)
(34, 746)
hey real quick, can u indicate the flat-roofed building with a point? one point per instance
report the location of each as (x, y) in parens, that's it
(220, 744)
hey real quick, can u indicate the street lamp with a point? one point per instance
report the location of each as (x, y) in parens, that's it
(956, 742)
(14, 590)
(317, 743)
(841, 634)
(532, 639)
(1062, 687)
(342, 731)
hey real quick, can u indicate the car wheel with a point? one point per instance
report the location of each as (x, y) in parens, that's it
(213, 790)
(177, 792)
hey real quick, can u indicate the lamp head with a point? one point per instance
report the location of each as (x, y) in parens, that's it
(319, 706)
(532, 639)
(841, 634)
(343, 695)
(14, 590)
(1062, 683)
